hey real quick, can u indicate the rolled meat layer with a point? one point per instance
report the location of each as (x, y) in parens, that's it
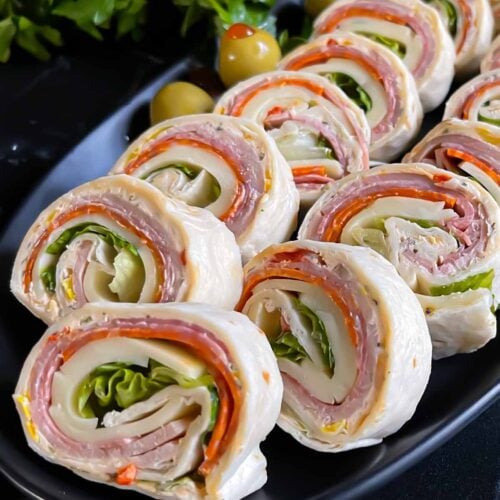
(495, 7)
(412, 30)
(374, 78)
(119, 239)
(471, 24)
(477, 100)
(322, 134)
(491, 60)
(224, 164)
(354, 366)
(464, 147)
(158, 398)
(441, 232)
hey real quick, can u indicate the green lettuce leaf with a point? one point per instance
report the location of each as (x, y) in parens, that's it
(393, 45)
(287, 346)
(183, 167)
(318, 333)
(58, 246)
(116, 386)
(485, 119)
(482, 280)
(329, 152)
(379, 222)
(48, 277)
(352, 89)
(129, 276)
(451, 14)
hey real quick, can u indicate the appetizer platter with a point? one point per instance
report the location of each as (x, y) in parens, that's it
(294, 265)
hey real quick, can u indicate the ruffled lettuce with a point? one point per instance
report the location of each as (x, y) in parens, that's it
(186, 169)
(393, 45)
(482, 280)
(129, 276)
(287, 346)
(116, 386)
(191, 173)
(318, 334)
(352, 89)
(451, 14)
(128, 265)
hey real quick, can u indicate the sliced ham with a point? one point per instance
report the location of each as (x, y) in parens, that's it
(168, 436)
(439, 230)
(426, 48)
(169, 248)
(356, 284)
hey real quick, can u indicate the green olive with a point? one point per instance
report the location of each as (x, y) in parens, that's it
(315, 7)
(245, 52)
(178, 99)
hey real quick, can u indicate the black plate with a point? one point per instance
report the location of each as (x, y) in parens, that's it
(460, 387)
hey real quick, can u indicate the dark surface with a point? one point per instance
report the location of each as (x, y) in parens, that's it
(466, 467)
(44, 111)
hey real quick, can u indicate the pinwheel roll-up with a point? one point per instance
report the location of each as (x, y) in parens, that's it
(464, 147)
(171, 400)
(410, 29)
(441, 232)
(224, 164)
(322, 134)
(491, 60)
(477, 100)
(354, 366)
(374, 78)
(118, 239)
(471, 24)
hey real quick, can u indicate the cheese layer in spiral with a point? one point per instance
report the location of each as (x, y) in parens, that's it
(159, 398)
(464, 147)
(412, 30)
(322, 134)
(119, 239)
(374, 78)
(224, 164)
(441, 232)
(354, 366)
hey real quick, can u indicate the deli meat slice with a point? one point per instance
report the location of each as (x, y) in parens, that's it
(441, 232)
(412, 30)
(465, 147)
(354, 366)
(321, 133)
(374, 78)
(158, 398)
(119, 239)
(224, 164)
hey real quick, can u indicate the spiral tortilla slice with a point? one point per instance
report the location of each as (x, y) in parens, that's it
(374, 78)
(320, 131)
(491, 60)
(158, 398)
(412, 30)
(477, 100)
(119, 239)
(354, 366)
(464, 147)
(470, 23)
(224, 164)
(441, 232)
